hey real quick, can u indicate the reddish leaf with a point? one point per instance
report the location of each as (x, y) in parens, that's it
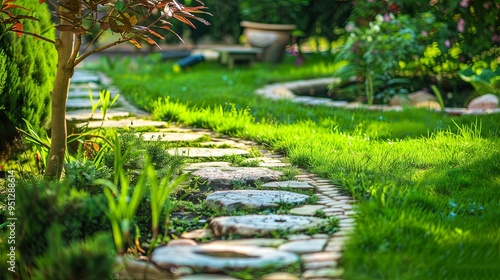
(184, 20)
(156, 34)
(135, 43)
(18, 27)
(41, 1)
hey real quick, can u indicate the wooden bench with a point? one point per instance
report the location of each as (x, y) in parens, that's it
(232, 55)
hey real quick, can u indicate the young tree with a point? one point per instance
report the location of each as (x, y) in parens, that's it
(75, 18)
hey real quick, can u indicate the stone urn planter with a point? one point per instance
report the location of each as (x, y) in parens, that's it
(272, 38)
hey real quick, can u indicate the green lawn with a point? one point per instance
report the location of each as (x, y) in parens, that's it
(428, 185)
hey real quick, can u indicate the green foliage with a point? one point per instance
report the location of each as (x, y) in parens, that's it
(160, 192)
(487, 81)
(122, 205)
(52, 206)
(89, 259)
(27, 72)
(382, 48)
(272, 11)
(470, 26)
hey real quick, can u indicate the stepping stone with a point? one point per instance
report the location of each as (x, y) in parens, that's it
(85, 115)
(125, 123)
(253, 199)
(260, 242)
(251, 225)
(200, 165)
(325, 273)
(201, 233)
(206, 277)
(84, 93)
(207, 152)
(85, 77)
(304, 246)
(307, 210)
(223, 177)
(80, 103)
(220, 257)
(288, 184)
(279, 276)
(133, 269)
(170, 136)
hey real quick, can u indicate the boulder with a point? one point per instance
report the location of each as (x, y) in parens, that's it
(487, 101)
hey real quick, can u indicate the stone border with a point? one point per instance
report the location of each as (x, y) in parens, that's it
(286, 91)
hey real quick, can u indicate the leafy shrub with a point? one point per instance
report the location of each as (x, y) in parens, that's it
(27, 73)
(89, 259)
(45, 206)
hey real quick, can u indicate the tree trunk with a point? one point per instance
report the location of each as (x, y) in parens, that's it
(59, 94)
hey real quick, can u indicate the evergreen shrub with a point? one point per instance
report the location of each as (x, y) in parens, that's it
(27, 72)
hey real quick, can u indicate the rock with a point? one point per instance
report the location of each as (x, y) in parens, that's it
(487, 101)
(433, 105)
(288, 184)
(329, 273)
(417, 99)
(134, 269)
(207, 152)
(124, 123)
(209, 257)
(283, 92)
(253, 199)
(200, 165)
(251, 225)
(307, 210)
(207, 277)
(223, 177)
(182, 242)
(260, 242)
(170, 136)
(400, 100)
(279, 276)
(304, 246)
(201, 233)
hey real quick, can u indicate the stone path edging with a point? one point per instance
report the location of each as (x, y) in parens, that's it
(286, 91)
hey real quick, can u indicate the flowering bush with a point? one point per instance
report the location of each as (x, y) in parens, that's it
(388, 46)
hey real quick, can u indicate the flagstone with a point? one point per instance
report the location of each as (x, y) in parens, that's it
(307, 210)
(170, 136)
(254, 199)
(207, 152)
(124, 123)
(260, 242)
(304, 246)
(288, 184)
(223, 177)
(219, 257)
(252, 225)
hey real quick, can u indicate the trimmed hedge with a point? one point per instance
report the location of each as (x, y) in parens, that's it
(27, 72)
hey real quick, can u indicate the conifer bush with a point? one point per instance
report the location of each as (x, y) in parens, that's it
(27, 72)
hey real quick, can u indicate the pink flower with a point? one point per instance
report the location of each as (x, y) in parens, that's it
(447, 43)
(461, 25)
(495, 38)
(425, 33)
(387, 17)
(464, 3)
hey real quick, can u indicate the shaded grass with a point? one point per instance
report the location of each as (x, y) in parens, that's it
(428, 184)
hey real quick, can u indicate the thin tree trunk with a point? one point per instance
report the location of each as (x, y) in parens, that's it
(65, 70)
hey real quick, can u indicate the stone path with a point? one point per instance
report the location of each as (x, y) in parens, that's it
(317, 254)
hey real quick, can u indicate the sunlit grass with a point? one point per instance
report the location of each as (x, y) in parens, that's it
(428, 184)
